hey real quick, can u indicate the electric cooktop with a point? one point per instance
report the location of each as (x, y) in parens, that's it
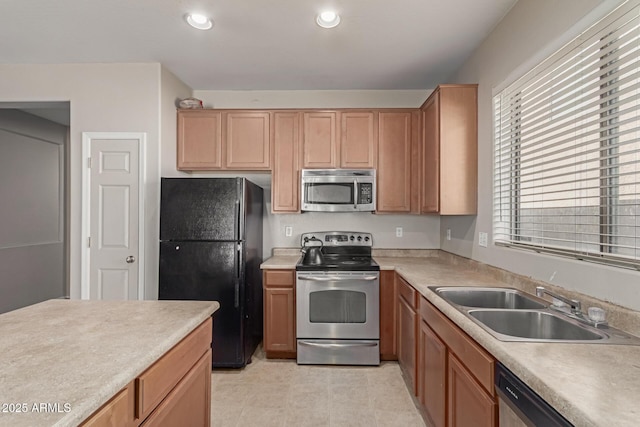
(341, 251)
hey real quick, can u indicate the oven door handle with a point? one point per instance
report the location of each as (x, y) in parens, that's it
(334, 345)
(337, 278)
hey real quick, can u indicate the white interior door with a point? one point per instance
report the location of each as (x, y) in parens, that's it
(113, 218)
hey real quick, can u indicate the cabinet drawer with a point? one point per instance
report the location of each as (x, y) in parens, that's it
(279, 278)
(189, 403)
(474, 357)
(116, 412)
(157, 381)
(407, 292)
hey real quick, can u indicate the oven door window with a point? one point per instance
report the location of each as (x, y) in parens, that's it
(334, 193)
(337, 306)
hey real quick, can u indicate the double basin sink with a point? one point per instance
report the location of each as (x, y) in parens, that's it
(512, 315)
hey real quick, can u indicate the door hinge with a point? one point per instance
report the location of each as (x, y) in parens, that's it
(88, 242)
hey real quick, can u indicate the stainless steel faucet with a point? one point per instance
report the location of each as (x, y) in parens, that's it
(576, 307)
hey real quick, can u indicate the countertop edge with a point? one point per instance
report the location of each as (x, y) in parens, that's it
(80, 413)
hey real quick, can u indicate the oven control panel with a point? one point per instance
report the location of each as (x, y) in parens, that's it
(338, 238)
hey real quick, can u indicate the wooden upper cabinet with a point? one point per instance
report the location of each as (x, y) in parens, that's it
(248, 140)
(394, 161)
(285, 182)
(431, 156)
(450, 151)
(199, 140)
(359, 139)
(320, 141)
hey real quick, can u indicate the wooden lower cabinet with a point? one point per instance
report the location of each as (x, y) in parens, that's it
(388, 315)
(432, 376)
(469, 404)
(407, 331)
(189, 402)
(279, 314)
(455, 374)
(119, 411)
(174, 391)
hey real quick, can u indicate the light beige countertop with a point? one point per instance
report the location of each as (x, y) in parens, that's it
(280, 262)
(75, 355)
(589, 384)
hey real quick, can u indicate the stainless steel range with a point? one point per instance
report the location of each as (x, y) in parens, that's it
(338, 300)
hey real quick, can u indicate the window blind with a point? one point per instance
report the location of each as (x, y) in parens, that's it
(567, 148)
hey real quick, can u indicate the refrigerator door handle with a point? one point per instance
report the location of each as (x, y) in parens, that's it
(236, 224)
(238, 259)
(236, 301)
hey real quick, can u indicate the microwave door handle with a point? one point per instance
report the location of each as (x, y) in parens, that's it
(355, 194)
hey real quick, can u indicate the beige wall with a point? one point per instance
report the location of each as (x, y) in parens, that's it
(103, 98)
(312, 98)
(531, 31)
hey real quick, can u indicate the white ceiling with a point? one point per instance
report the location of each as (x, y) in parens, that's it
(258, 44)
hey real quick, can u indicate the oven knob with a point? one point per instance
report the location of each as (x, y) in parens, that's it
(359, 238)
(306, 239)
(366, 239)
(352, 238)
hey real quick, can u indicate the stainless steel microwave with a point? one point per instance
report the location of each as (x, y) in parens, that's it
(338, 190)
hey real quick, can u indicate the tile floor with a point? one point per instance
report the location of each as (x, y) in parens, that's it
(282, 393)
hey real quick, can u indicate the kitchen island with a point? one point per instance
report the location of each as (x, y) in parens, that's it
(62, 360)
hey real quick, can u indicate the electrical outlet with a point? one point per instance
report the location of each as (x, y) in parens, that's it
(399, 231)
(448, 234)
(288, 231)
(482, 239)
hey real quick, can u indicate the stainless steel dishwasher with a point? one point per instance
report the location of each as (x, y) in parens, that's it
(521, 406)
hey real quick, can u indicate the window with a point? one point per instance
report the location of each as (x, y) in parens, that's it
(567, 148)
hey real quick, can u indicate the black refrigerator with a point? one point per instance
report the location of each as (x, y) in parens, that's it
(211, 250)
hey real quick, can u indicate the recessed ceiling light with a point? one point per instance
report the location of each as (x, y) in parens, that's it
(328, 19)
(199, 21)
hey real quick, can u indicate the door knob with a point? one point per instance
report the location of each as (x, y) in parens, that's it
(131, 259)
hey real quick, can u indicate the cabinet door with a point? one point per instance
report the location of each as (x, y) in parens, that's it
(189, 403)
(119, 411)
(248, 140)
(388, 316)
(280, 320)
(199, 140)
(458, 150)
(469, 404)
(432, 375)
(407, 320)
(285, 183)
(359, 140)
(394, 162)
(320, 143)
(431, 157)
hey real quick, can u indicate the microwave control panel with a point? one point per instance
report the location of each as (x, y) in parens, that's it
(366, 193)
